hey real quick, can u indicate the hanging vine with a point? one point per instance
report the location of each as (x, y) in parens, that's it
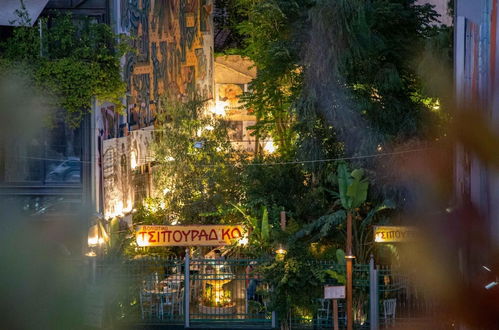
(70, 59)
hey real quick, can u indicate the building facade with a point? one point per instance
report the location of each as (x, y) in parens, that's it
(476, 60)
(173, 60)
(105, 164)
(46, 171)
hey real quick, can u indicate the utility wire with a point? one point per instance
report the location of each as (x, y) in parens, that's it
(385, 154)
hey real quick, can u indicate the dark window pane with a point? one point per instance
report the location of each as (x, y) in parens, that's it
(52, 157)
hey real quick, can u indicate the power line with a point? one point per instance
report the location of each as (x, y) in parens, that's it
(385, 154)
(333, 159)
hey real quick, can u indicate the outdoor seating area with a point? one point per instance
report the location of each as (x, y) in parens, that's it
(232, 291)
(218, 289)
(162, 298)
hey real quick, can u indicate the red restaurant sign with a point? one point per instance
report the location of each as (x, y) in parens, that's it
(209, 235)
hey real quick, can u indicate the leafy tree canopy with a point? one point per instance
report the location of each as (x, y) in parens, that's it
(74, 60)
(197, 171)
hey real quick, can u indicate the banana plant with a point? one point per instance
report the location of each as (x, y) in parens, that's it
(260, 228)
(352, 187)
(353, 192)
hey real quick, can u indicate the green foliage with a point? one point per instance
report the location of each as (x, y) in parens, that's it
(288, 278)
(270, 30)
(196, 176)
(265, 225)
(74, 61)
(259, 240)
(340, 274)
(369, 54)
(351, 198)
(352, 188)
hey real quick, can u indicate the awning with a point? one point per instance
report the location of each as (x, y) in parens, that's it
(9, 16)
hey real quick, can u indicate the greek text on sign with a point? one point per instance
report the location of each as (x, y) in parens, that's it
(188, 235)
(391, 234)
(334, 292)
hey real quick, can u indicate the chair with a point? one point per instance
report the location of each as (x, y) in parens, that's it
(148, 305)
(171, 300)
(167, 302)
(389, 307)
(323, 313)
(180, 301)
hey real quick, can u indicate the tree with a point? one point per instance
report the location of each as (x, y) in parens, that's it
(361, 61)
(271, 41)
(70, 63)
(196, 172)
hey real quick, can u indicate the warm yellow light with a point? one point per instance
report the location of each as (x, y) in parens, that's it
(219, 108)
(436, 105)
(93, 236)
(93, 241)
(281, 251)
(133, 159)
(119, 209)
(142, 240)
(269, 147)
(91, 254)
(243, 241)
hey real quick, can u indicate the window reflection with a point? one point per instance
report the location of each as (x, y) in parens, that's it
(52, 157)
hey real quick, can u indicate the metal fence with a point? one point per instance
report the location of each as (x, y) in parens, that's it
(320, 312)
(411, 302)
(228, 291)
(231, 293)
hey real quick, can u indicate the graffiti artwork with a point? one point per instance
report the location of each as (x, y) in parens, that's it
(116, 174)
(121, 158)
(173, 42)
(140, 147)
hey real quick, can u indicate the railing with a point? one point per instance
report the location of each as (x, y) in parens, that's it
(413, 302)
(319, 315)
(228, 291)
(232, 293)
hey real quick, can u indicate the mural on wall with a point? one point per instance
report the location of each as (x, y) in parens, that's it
(140, 147)
(229, 95)
(122, 181)
(233, 74)
(117, 197)
(173, 40)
